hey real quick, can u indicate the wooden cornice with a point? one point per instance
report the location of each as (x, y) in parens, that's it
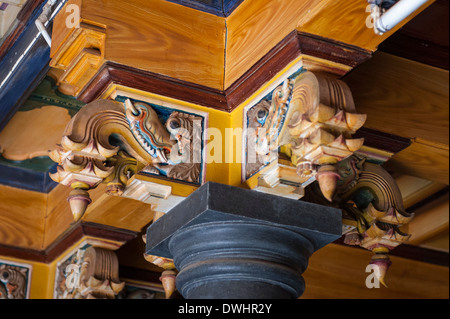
(68, 238)
(292, 46)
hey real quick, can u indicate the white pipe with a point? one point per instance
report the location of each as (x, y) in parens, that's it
(43, 20)
(397, 13)
(28, 48)
(43, 32)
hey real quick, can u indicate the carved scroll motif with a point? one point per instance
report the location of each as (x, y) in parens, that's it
(109, 141)
(371, 199)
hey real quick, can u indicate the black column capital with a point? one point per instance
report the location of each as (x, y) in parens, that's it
(230, 242)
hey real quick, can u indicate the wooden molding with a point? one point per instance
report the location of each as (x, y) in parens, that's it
(79, 57)
(382, 141)
(332, 50)
(407, 251)
(274, 61)
(112, 72)
(73, 234)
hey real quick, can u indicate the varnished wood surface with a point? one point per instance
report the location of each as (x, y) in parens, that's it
(402, 97)
(338, 272)
(346, 21)
(117, 211)
(193, 46)
(408, 99)
(424, 160)
(255, 27)
(22, 217)
(430, 220)
(162, 37)
(332, 57)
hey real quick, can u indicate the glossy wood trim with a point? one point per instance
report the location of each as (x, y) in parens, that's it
(273, 62)
(68, 238)
(382, 141)
(332, 50)
(116, 73)
(265, 69)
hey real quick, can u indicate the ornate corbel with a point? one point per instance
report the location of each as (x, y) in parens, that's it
(372, 203)
(110, 141)
(91, 273)
(372, 209)
(307, 126)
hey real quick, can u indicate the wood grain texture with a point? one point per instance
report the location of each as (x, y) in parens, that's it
(60, 31)
(114, 73)
(287, 50)
(255, 27)
(338, 272)
(417, 191)
(58, 217)
(345, 21)
(429, 221)
(116, 211)
(439, 242)
(22, 217)
(75, 233)
(402, 97)
(162, 37)
(422, 160)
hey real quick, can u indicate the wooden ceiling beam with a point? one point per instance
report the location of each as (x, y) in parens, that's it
(430, 220)
(408, 99)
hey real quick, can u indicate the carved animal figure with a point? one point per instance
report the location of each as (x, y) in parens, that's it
(14, 280)
(149, 131)
(271, 121)
(185, 157)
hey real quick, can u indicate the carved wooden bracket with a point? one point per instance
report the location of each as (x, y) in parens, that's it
(109, 142)
(91, 273)
(310, 119)
(306, 127)
(373, 211)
